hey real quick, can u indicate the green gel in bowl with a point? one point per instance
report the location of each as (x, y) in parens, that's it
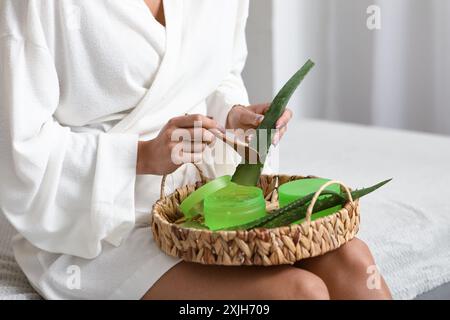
(297, 189)
(233, 205)
(193, 204)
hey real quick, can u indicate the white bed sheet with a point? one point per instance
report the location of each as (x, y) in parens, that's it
(13, 283)
(406, 224)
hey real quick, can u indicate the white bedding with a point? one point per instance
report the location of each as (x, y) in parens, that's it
(13, 283)
(406, 224)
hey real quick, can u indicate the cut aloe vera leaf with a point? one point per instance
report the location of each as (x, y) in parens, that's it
(248, 174)
(279, 103)
(322, 204)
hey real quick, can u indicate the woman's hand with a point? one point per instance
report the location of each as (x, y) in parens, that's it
(250, 117)
(182, 140)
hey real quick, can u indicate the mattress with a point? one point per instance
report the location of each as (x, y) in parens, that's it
(406, 224)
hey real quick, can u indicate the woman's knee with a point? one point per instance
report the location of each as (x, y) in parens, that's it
(298, 284)
(355, 256)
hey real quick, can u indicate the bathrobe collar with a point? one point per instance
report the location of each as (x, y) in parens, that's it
(173, 10)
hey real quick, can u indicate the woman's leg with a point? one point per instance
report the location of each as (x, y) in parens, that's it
(349, 272)
(195, 281)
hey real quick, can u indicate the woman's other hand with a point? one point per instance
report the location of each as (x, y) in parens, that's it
(241, 117)
(182, 140)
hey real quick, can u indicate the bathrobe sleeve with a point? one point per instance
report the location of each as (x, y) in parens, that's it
(65, 192)
(232, 90)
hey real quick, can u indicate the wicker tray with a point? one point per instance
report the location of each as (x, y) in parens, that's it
(266, 247)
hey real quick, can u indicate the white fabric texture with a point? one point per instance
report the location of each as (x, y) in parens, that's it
(13, 283)
(396, 76)
(81, 82)
(406, 223)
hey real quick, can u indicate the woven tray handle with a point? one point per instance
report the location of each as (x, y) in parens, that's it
(203, 179)
(319, 192)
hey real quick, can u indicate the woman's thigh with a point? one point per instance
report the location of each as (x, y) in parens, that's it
(196, 281)
(349, 272)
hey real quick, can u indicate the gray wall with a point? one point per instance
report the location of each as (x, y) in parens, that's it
(396, 76)
(258, 73)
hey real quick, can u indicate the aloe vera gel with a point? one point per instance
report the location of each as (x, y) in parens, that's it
(233, 205)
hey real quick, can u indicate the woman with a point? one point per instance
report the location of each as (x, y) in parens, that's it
(91, 93)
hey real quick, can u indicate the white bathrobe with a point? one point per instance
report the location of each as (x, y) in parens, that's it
(80, 83)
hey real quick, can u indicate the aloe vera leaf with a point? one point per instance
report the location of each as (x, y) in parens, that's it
(248, 174)
(362, 192)
(295, 205)
(322, 204)
(279, 103)
(290, 217)
(297, 209)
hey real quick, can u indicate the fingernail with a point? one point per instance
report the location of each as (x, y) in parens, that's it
(259, 118)
(276, 140)
(279, 126)
(221, 128)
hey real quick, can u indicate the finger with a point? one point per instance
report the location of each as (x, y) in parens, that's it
(188, 121)
(191, 157)
(284, 119)
(249, 137)
(259, 108)
(193, 134)
(278, 135)
(180, 156)
(276, 139)
(193, 147)
(283, 131)
(249, 118)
